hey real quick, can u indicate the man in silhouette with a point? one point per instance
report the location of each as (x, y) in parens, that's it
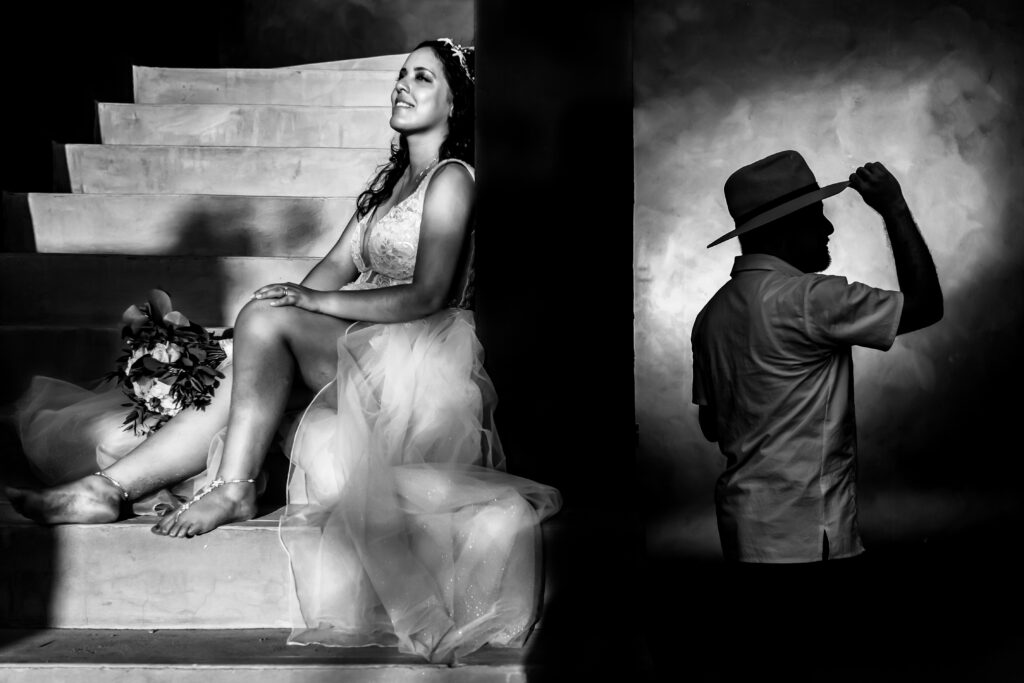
(773, 375)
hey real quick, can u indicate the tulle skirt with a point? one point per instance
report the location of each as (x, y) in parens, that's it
(401, 525)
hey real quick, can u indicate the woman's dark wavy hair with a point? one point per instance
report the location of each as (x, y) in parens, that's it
(459, 144)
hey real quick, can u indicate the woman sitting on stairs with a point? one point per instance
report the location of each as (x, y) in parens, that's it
(401, 525)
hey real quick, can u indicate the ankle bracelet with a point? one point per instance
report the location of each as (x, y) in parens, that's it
(115, 482)
(216, 483)
(201, 493)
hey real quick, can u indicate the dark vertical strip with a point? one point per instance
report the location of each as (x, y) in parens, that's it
(555, 181)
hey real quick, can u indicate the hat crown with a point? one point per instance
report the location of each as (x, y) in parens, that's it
(766, 182)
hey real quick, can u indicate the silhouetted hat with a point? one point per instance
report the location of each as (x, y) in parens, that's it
(771, 188)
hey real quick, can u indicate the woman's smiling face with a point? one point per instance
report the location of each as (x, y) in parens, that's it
(421, 98)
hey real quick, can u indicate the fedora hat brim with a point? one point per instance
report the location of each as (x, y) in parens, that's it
(785, 209)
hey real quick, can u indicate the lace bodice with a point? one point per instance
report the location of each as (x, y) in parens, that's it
(385, 251)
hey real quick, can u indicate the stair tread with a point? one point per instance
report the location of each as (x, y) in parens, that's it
(257, 648)
(287, 85)
(268, 518)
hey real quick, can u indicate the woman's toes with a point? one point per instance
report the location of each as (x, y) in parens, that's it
(164, 524)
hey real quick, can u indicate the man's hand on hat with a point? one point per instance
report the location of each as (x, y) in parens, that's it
(879, 188)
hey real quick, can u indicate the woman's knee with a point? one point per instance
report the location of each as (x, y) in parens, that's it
(258, 318)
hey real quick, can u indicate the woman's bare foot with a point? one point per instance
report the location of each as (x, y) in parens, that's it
(89, 500)
(226, 503)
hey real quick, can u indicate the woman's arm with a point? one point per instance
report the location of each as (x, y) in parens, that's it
(336, 269)
(446, 213)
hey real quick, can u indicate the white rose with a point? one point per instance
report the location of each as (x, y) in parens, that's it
(160, 353)
(169, 406)
(160, 390)
(136, 355)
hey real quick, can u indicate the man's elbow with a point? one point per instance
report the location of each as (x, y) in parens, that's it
(920, 315)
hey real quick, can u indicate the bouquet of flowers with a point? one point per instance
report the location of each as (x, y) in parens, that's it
(169, 363)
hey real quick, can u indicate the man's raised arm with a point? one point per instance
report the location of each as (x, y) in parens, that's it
(915, 270)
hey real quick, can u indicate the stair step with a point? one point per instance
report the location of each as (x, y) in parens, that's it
(246, 125)
(93, 290)
(276, 171)
(378, 63)
(165, 224)
(213, 656)
(318, 87)
(121, 575)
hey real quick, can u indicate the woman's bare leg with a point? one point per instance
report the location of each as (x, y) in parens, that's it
(271, 343)
(174, 453)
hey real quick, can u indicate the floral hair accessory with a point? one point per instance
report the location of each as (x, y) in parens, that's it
(460, 53)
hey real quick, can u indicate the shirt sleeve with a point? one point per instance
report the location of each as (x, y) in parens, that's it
(838, 312)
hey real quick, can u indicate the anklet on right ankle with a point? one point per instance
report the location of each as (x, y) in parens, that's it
(115, 482)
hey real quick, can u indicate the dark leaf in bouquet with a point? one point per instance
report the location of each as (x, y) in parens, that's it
(199, 354)
(151, 364)
(159, 304)
(227, 333)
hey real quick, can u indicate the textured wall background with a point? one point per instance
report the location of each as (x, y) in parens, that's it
(932, 89)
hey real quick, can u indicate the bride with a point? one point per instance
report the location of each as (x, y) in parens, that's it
(401, 525)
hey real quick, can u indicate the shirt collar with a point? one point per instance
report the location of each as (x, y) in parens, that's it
(764, 262)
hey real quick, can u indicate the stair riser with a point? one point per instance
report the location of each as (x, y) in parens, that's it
(313, 87)
(287, 172)
(191, 225)
(124, 576)
(93, 291)
(244, 125)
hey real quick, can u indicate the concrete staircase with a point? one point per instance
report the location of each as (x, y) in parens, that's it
(212, 183)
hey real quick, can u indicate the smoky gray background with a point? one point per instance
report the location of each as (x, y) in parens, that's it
(931, 89)
(270, 33)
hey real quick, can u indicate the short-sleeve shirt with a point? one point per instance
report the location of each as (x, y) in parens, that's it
(771, 355)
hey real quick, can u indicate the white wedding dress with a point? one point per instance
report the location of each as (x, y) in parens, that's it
(401, 525)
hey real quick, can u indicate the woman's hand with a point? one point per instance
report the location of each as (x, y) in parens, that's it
(290, 294)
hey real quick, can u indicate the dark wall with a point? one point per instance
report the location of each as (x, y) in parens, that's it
(555, 180)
